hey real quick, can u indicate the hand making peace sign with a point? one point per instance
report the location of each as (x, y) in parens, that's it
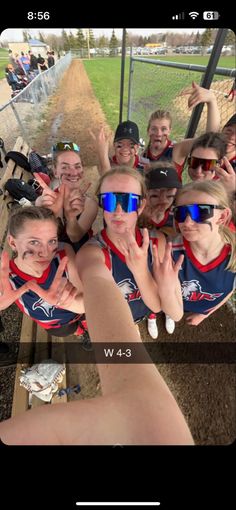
(49, 198)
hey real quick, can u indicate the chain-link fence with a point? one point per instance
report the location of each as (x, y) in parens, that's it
(24, 114)
(162, 85)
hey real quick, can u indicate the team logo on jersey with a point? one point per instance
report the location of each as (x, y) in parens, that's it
(129, 291)
(192, 291)
(44, 306)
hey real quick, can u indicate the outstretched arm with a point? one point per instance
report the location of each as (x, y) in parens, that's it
(136, 407)
(198, 95)
(193, 319)
(76, 203)
(166, 276)
(102, 149)
(201, 95)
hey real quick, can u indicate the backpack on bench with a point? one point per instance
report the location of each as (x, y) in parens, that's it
(22, 192)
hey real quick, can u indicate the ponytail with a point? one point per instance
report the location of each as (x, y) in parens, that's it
(228, 237)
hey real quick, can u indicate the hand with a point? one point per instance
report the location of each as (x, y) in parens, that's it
(135, 256)
(198, 95)
(101, 141)
(166, 272)
(74, 201)
(7, 294)
(50, 198)
(193, 319)
(227, 176)
(61, 292)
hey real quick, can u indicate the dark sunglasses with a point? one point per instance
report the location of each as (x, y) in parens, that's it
(206, 164)
(65, 146)
(129, 202)
(198, 212)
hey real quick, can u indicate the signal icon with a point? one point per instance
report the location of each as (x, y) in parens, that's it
(193, 15)
(178, 16)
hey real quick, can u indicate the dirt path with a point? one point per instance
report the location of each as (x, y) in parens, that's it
(205, 393)
(72, 112)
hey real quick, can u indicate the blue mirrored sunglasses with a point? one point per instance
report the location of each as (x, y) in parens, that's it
(197, 212)
(65, 146)
(129, 202)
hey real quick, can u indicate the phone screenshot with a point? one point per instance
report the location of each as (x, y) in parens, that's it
(117, 234)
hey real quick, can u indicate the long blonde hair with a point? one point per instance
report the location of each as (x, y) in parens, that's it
(216, 190)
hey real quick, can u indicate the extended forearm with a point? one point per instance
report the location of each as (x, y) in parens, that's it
(149, 290)
(213, 116)
(171, 301)
(74, 230)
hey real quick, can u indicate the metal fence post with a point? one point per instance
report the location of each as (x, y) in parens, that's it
(131, 70)
(122, 76)
(206, 80)
(24, 134)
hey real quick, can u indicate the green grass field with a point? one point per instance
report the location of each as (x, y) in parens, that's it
(151, 84)
(3, 62)
(200, 60)
(104, 74)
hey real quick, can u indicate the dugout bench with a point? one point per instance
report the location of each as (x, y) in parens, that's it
(32, 336)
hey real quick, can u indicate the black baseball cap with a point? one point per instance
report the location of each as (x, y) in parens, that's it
(163, 178)
(127, 130)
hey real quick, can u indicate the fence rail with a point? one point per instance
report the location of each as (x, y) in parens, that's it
(23, 115)
(165, 85)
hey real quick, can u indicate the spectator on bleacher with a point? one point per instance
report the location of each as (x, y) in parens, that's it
(20, 69)
(69, 202)
(12, 60)
(41, 63)
(202, 213)
(160, 147)
(51, 60)
(25, 62)
(33, 63)
(12, 79)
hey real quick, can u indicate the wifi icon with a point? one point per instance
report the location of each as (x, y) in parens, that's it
(193, 15)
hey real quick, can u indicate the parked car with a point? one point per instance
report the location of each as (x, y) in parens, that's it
(160, 51)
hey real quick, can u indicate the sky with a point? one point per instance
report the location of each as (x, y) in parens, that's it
(12, 35)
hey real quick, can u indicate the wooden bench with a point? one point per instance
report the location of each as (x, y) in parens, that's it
(32, 336)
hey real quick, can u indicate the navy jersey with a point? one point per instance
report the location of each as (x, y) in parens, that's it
(46, 315)
(137, 163)
(115, 261)
(166, 154)
(203, 286)
(166, 225)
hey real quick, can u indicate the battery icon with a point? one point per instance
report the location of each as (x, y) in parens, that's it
(211, 15)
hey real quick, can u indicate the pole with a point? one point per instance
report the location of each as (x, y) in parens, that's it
(207, 79)
(122, 75)
(88, 42)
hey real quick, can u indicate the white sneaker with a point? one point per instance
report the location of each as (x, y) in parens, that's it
(170, 325)
(152, 328)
